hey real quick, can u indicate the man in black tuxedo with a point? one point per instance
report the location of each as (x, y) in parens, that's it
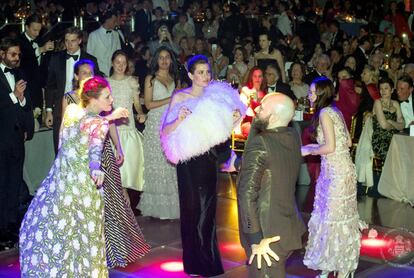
(60, 78)
(143, 21)
(275, 83)
(337, 35)
(33, 58)
(17, 125)
(322, 66)
(405, 96)
(361, 54)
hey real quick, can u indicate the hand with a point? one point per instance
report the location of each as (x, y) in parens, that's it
(236, 115)
(184, 113)
(118, 113)
(141, 118)
(49, 119)
(48, 46)
(308, 149)
(19, 89)
(263, 249)
(305, 151)
(119, 156)
(98, 177)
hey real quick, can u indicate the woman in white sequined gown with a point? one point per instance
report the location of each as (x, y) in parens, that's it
(160, 196)
(334, 226)
(125, 91)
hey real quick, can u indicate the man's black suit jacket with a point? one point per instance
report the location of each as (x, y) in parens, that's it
(143, 25)
(34, 72)
(56, 80)
(15, 120)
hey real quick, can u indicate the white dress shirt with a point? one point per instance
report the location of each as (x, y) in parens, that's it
(102, 45)
(35, 47)
(70, 63)
(284, 24)
(407, 111)
(12, 83)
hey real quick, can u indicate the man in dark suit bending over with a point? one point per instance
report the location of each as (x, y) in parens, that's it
(17, 124)
(270, 224)
(60, 78)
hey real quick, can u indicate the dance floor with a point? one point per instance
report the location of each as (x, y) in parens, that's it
(388, 254)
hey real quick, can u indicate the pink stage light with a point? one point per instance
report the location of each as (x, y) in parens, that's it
(175, 266)
(374, 242)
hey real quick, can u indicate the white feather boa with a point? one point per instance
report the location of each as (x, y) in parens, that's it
(209, 124)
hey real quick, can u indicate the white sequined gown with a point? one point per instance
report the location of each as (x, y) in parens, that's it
(334, 226)
(132, 169)
(160, 196)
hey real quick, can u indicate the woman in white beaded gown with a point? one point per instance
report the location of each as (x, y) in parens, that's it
(334, 226)
(125, 91)
(160, 196)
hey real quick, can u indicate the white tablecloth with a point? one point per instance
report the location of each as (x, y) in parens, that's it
(39, 156)
(397, 178)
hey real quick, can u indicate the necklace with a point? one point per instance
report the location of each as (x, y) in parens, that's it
(386, 106)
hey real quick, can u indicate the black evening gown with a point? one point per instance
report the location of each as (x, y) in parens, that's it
(197, 191)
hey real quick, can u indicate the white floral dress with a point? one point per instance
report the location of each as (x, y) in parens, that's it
(62, 233)
(334, 226)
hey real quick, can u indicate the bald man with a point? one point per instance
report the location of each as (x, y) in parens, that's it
(270, 224)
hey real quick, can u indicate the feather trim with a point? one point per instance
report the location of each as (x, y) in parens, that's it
(209, 124)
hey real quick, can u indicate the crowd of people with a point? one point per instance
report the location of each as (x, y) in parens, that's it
(152, 63)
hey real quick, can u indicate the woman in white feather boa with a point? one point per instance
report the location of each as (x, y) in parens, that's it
(198, 119)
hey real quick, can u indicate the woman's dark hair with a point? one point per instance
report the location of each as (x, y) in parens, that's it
(386, 80)
(249, 81)
(243, 51)
(325, 95)
(173, 70)
(302, 68)
(117, 53)
(76, 68)
(196, 60)
(34, 18)
(271, 46)
(92, 89)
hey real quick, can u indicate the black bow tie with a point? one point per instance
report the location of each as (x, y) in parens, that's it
(108, 31)
(12, 71)
(406, 101)
(272, 88)
(75, 57)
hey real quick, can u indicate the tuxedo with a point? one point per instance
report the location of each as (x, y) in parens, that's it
(361, 60)
(407, 110)
(16, 121)
(102, 44)
(55, 87)
(33, 66)
(266, 195)
(143, 23)
(281, 87)
(337, 39)
(312, 76)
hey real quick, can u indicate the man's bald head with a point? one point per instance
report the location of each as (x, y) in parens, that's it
(277, 108)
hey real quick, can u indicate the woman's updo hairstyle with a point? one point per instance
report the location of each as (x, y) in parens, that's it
(196, 60)
(92, 88)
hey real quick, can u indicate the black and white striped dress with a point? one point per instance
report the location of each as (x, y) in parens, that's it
(123, 237)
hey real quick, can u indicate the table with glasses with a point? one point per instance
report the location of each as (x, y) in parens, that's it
(397, 178)
(39, 156)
